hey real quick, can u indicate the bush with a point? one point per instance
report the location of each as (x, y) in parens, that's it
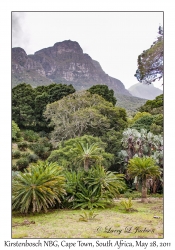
(40, 150)
(22, 163)
(45, 142)
(31, 136)
(22, 146)
(25, 155)
(16, 154)
(14, 167)
(42, 134)
(15, 131)
(33, 158)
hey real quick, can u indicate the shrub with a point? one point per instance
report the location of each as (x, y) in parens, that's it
(15, 131)
(16, 154)
(33, 158)
(42, 134)
(22, 146)
(40, 150)
(39, 187)
(45, 142)
(25, 155)
(14, 167)
(22, 163)
(31, 136)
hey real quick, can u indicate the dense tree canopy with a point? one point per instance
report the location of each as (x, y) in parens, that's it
(83, 113)
(104, 91)
(150, 61)
(28, 104)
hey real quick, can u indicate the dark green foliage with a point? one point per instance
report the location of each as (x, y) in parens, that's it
(28, 104)
(153, 106)
(104, 91)
(16, 154)
(150, 62)
(143, 122)
(39, 187)
(58, 91)
(33, 158)
(22, 163)
(30, 135)
(113, 140)
(49, 94)
(22, 146)
(23, 96)
(40, 150)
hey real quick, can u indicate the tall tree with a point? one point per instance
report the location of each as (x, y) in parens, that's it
(103, 91)
(23, 96)
(83, 113)
(150, 61)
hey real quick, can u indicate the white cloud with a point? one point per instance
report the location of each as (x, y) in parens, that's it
(114, 39)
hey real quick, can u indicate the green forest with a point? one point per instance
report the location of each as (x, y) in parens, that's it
(77, 149)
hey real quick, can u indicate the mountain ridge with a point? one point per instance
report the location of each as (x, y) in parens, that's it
(64, 62)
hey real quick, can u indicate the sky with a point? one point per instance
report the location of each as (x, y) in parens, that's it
(114, 39)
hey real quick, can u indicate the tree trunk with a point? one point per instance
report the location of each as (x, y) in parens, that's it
(155, 184)
(144, 191)
(86, 165)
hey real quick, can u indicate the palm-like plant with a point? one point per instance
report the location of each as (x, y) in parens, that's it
(143, 168)
(39, 187)
(95, 188)
(86, 153)
(104, 182)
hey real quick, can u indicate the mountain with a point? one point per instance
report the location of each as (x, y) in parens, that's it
(130, 103)
(145, 91)
(65, 63)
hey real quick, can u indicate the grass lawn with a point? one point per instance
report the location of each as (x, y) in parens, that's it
(109, 223)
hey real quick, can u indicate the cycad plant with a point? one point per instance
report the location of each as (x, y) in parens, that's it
(87, 152)
(143, 168)
(92, 189)
(103, 181)
(39, 187)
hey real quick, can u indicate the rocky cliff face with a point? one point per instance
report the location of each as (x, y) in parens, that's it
(66, 63)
